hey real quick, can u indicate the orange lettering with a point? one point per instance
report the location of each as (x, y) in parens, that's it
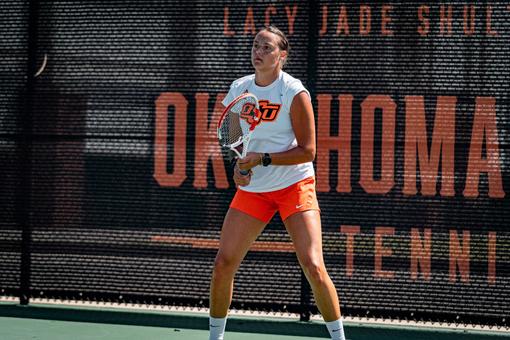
(488, 28)
(491, 272)
(365, 20)
(423, 30)
(269, 10)
(381, 251)
(350, 232)
(291, 16)
(368, 107)
(484, 130)
(326, 143)
(445, 20)
(226, 27)
(177, 177)
(343, 24)
(206, 143)
(416, 141)
(420, 253)
(324, 27)
(459, 257)
(269, 111)
(385, 20)
(469, 19)
(249, 22)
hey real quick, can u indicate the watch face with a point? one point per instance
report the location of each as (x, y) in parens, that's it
(266, 159)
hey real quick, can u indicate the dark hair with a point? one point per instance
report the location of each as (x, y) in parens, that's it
(283, 44)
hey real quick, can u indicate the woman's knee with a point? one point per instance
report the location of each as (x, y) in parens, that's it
(224, 266)
(315, 271)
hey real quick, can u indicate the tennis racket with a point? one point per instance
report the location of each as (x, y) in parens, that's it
(231, 134)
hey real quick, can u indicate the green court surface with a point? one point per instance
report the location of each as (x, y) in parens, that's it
(24, 329)
(50, 322)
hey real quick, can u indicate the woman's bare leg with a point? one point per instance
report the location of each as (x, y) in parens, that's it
(238, 233)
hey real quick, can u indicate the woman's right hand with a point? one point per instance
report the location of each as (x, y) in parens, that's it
(240, 179)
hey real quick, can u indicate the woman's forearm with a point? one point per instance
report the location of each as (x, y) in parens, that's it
(293, 156)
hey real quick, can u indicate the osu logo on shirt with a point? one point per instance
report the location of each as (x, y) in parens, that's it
(268, 111)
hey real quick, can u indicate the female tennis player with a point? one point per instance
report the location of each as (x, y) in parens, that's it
(280, 178)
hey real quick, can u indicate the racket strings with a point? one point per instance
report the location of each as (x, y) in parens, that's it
(230, 128)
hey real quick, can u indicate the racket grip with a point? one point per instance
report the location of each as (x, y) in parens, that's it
(244, 172)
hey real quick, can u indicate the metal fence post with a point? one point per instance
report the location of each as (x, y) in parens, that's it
(313, 14)
(23, 204)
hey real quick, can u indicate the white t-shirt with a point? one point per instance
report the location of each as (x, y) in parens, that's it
(274, 133)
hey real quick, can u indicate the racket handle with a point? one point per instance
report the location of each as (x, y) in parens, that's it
(244, 172)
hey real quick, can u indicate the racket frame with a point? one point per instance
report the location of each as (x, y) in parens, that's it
(244, 139)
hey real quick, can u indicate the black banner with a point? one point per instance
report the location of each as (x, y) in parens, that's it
(128, 186)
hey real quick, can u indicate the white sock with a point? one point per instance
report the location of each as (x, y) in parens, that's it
(217, 328)
(336, 329)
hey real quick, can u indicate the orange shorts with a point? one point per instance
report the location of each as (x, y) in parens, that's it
(296, 197)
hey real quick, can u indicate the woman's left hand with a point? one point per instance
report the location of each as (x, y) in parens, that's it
(251, 160)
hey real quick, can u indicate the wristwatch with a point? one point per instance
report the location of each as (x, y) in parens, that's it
(266, 159)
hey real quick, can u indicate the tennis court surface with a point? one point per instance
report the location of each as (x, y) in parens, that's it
(59, 322)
